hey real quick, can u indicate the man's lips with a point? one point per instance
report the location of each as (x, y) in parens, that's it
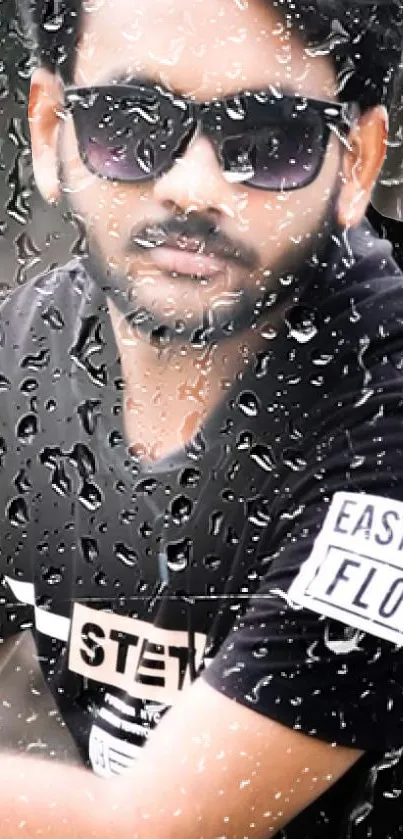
(187, 262)
(190, 252)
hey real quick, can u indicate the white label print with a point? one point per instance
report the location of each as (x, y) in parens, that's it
(355, 571)
(143, 660)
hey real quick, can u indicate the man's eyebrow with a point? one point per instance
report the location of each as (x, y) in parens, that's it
(127, 77)
(131, 78)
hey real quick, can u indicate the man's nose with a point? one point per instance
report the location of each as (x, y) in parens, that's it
(196, 183)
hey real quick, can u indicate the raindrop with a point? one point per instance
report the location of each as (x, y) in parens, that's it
(5, 383)
(127, 516)
(231, 537)
(21, 482)
(61, 483)
(147, 486)
(28, 386)
(84, 459)
(320, 358)
(301, 324)
(268, 331)
(49, 456)
(52, 576)
(260, 652)
(145, 155)
(190, 477)
(27, 428)
(211, 562)
(355, 315)
(17, 512)
(88, 415)
(36, 361)
(197, 446)
(115, 439)
(90, 549)
(178, 555)
(263, 456)
(126, 555)
(248, 403)
(235, 108)
(90, 496)
(258, 511)
(145, 530)
(26, 249)
(244, 441)
(53, 318)
(263, 360)
(216, 520)
(294, 461)
(100, 579)
(181, 509)
(317, 381)
(52, 22)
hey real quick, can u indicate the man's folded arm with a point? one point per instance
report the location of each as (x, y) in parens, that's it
(213, 768)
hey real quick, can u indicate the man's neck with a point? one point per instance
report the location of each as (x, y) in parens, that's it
(169, 392)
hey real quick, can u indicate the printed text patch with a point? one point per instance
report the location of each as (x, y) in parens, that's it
(355, 571)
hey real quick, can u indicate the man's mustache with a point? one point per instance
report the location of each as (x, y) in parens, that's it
(196, 233)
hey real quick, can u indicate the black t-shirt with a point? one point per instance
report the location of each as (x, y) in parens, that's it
(137, 578)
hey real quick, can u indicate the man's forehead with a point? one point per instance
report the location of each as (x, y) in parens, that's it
(202, 47)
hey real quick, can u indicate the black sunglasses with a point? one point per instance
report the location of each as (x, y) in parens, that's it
(134, 133)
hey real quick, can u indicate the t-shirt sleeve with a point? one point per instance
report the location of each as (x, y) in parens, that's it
(16, 584)
(318, 669)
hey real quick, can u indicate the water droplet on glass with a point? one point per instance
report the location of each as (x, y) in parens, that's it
(28, 386)
(263, 456)
(61, 483)
(248, 403)
(17, 512)
(52, 576)
(235, 108)
(126, 555)
(90, 549)
(53, 318)
(36, 361)
(190, 477)
(90, 496)
(178, 555)
(294, 461)
(27, 428)
(181, 509)
(301, 323)
(5, 383)
(88, 414)
(216, 520)
(211, 562)
(100, 579)
(244, 441)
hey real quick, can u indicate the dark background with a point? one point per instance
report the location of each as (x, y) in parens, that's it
(34, 237)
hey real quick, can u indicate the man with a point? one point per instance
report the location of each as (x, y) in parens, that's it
(202, 427)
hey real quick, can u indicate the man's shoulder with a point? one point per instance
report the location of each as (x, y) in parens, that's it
(45, 308)
(363, 293)
(370, 259)
(64, 285)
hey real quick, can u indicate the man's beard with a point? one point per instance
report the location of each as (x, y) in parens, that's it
(283, 281)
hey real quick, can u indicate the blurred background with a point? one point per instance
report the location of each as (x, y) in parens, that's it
(33, 236)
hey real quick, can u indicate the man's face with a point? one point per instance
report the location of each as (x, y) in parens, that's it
(203, 49)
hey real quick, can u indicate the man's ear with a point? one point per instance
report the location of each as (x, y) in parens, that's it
(362, 163)
(45, 114)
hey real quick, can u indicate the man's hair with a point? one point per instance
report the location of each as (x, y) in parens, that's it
(362, 38)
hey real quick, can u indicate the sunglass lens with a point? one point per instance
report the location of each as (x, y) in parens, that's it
(129, 139)
(280, 157)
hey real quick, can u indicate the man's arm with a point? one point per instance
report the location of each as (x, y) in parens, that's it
(213, 769)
